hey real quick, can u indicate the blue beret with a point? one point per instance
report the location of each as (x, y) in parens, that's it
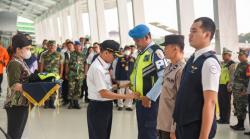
(77, 43)
(139, 31)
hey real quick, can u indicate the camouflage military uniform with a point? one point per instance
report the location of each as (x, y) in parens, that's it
(51, 64)
(75, 75)
(240, 84)
(51, 61)
(18, 72)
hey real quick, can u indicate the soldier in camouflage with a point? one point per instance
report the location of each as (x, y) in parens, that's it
(52, 62)
(239, 89)
(75, 75)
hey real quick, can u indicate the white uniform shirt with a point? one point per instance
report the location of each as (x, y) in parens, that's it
(90, 58)
(98, 78)
(210, 71)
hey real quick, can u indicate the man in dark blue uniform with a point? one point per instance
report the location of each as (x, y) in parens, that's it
(146, 79)
(194, 112)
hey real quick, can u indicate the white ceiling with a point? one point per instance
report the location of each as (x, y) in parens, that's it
(33, 9)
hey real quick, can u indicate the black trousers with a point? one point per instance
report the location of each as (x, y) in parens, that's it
(163, 134)
(17, 117)
(192, 130)
(85, 89)
(224, 99)
(65, 89)
(1, 80)
(99, 116)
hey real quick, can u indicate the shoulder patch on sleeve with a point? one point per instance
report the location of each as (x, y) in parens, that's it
(160, 64)
(213, 69)
(159, 53)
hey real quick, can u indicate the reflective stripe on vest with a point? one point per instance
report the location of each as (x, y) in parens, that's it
(143, 66)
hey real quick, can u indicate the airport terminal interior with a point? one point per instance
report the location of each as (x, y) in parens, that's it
(72, 124)
(99, 20)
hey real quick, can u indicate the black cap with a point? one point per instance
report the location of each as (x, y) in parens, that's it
(174, 39)
(20, 40)
(110, 45)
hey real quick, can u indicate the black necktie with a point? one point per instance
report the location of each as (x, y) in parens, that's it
(191, 59)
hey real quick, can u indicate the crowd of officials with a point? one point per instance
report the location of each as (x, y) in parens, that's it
(174, 97)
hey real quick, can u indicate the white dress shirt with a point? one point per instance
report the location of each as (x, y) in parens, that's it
(210, 71)
(98, 78)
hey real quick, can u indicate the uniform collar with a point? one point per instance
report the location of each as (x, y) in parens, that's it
(141, 51)
(103, 63)
(200, 52)
(180, 62)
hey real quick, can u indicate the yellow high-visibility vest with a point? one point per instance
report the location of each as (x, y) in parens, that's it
(144, 74)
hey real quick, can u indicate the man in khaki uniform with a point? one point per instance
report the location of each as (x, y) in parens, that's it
(174, 46)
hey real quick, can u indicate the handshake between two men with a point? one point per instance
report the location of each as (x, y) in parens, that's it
(146, 102)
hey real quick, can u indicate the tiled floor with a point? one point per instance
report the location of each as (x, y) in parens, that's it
(72, 124)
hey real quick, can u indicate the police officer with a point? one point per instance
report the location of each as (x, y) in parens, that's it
(194, 111)
(149, 66)
(240, 84)
(16, 105)
(174, 47)
(123, 70)
(99, 111)
(226, 77)
(51, 62)
(75, 75)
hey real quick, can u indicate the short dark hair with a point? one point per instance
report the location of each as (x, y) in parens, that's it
(69, 42)
(45, 41)
(207, 24)
(86, 39)
(127, 47)
(132, 46)
(96, 43)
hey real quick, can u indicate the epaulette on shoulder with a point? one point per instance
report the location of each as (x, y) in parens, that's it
(154, 47)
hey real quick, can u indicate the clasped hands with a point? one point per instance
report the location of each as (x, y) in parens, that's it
(146, 102)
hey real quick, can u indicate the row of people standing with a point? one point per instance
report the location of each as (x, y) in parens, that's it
(188, 114)
(71, 65)
(189, 91)
(234, 80)
(189, 106)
